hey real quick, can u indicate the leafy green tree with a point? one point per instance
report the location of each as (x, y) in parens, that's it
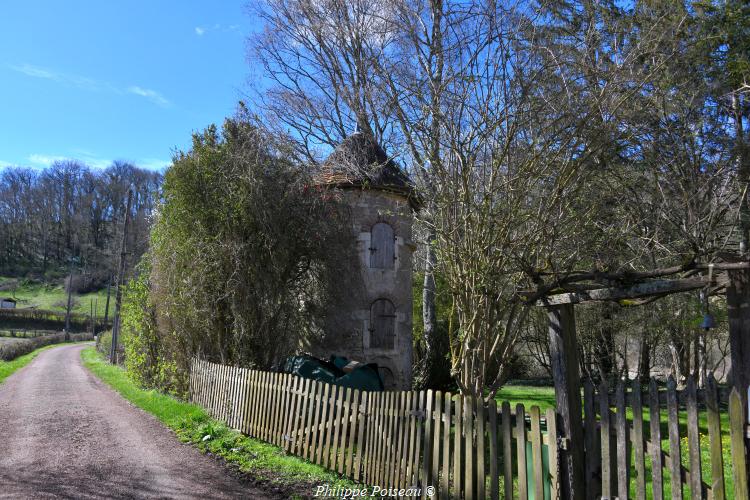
(146, 357)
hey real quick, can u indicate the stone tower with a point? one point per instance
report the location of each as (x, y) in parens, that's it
(371, 321)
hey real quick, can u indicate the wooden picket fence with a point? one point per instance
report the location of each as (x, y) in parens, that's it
(466, 448)
(459, 445)
(622, 451)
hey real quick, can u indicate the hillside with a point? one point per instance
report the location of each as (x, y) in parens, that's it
(70, 213)
(52, 296)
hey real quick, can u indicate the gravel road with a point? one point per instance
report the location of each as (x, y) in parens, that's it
(65, 434)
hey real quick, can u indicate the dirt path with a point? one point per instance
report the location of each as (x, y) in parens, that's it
(65, 434)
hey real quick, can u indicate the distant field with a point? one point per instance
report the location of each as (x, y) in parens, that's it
(54, 298)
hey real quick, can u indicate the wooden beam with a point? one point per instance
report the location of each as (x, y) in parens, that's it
(738, 311)
(564, 361)
(628, 275)
(646, 289)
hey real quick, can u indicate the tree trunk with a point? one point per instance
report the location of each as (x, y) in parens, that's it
(676, 362)
(702, 361)
(429, 313)
(696, 357)
(743, 170)
(644, 362)
(604, 346)
(563, 354)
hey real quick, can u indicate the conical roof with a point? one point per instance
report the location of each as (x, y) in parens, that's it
(359, 161)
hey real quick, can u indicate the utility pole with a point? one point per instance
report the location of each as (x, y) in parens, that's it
(120, 278)
(106, 306)
(91, 315)
(96, 314)
(70, 296)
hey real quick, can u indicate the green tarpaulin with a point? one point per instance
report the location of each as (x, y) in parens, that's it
(364, 377)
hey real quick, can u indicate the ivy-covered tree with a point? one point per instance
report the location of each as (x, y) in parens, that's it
(244, 250)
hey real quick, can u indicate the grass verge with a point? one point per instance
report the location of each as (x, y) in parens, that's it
(269, 465)
(8, 368)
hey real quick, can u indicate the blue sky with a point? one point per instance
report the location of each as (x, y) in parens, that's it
(103, 80)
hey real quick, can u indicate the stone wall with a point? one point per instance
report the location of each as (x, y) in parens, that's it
(348, 323)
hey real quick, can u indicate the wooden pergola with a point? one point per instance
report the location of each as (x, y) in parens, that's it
(559, 297)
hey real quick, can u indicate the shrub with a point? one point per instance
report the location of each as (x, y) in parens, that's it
(244, 256)
(104, 342)
(63, 304)
(86, 283)
(146, 359)
(12, 350)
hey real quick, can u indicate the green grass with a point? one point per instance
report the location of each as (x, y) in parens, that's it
(8, 368)
(193, 425)
(528, 396)
(54, 298)
(544, 397)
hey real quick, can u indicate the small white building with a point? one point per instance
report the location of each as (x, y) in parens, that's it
(7, 303)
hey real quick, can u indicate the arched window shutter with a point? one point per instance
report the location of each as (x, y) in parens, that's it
(381, 246)
(382, 324)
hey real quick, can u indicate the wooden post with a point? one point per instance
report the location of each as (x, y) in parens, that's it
(564, 361)
(70, 302)
(120, 278)
(106, 307)
(738, 311)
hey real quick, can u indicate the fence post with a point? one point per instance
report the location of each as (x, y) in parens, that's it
(737, 425)
(564, 360)
(738, 312)
(623, 441)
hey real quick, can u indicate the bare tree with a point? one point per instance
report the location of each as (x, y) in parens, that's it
(69, 210)
(518, 123)
(339, 66)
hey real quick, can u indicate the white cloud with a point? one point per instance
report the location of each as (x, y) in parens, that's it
(153, 163)
(45, 160)
(86, 83)
(153, 95)
(66, 78)
(202, 30)
(4, 164)
(97, 162)
(90, 159)
(40, 160)
(36, 72)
